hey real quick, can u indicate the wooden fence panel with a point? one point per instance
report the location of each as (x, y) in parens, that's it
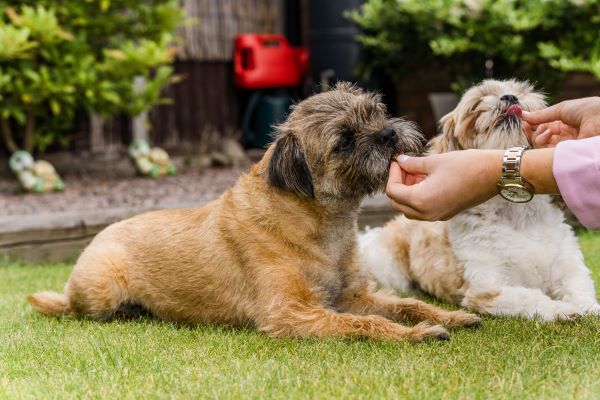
(206, 100)
(217, 22)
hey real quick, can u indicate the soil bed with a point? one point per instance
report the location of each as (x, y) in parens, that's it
(93, 192)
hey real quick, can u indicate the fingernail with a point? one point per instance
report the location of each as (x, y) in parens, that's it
(542, 137)
(525, 113)
(545, 133)
(403, 158)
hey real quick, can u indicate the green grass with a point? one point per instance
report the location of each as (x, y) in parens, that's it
(65, 358)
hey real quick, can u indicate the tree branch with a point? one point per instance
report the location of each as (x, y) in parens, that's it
(7, 135)
(29, 131)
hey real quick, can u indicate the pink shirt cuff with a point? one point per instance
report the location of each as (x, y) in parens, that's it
(576, 168)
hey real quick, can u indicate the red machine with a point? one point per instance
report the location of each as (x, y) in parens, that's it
(268, 61)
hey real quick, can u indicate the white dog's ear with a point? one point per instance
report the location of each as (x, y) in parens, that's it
(446, 140)
(288, 169)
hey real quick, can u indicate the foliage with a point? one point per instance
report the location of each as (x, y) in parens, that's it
(535, 39)
(57, 58)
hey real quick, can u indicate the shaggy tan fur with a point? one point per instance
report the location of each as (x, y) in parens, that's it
(426, 257)
(277, 251)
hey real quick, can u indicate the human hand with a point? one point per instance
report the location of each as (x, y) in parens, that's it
(550, 134)
(439, 186)
(571, 119)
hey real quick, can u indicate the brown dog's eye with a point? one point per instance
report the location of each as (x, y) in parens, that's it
(346, 142)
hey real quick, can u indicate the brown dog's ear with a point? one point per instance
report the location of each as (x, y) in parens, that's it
(288, 169)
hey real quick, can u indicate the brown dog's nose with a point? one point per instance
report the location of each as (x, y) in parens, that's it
(386, 136)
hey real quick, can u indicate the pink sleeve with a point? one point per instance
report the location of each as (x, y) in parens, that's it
(576, 168)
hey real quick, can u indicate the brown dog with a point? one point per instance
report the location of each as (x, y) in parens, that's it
(277, 251)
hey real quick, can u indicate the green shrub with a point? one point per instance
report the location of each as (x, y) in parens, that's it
(58, 57)
(530, 39)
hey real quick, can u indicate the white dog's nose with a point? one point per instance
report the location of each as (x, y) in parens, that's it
(510, 98)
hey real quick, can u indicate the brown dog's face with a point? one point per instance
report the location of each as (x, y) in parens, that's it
(481, 120)
(338, 144)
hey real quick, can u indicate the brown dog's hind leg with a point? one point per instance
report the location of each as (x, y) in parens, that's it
(403, 309)
(98, 286)
(315, 321)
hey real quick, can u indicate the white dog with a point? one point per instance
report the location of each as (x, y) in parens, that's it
(498, 258)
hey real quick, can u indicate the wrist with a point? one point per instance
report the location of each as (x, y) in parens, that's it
(488, 164)
(491, 169)
(536, 168)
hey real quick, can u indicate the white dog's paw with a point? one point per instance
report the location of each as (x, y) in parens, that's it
(559, 311)
(590, 309)
(585, 306)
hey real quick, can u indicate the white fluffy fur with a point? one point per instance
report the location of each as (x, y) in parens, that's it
(385, 268)
(526, 252)
(515, 259)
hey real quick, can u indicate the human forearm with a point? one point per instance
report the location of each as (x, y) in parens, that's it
(536, 168)
(462, 179)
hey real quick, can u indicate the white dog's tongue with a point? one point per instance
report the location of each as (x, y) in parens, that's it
(515, 109)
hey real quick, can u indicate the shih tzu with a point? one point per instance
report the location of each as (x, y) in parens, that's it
(498, 258)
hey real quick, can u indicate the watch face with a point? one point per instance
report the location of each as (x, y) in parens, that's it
(516, 193)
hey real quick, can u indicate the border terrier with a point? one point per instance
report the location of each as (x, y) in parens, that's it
(277, 251)
(498, 258)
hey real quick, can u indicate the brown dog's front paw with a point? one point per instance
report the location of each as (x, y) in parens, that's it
(460, 318)
(424, 331)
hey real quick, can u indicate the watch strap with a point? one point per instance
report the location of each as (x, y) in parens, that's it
(511, 163)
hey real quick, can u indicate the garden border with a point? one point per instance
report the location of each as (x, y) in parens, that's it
(58, 237)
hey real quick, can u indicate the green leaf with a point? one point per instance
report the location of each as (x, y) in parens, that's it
(104, 5)
(55, 107)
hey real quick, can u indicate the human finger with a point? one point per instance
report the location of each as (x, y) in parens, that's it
(552, 113)
(411, 179)
(541, 128)
(542, 139)
(414, 165)
(408, 211)
(396, 175)
(395, 188)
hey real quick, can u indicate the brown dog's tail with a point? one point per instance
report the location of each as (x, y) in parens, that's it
(50, 303)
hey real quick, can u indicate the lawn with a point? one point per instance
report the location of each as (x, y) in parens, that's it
(64, 358)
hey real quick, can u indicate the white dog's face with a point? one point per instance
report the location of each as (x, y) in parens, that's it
(487, 117)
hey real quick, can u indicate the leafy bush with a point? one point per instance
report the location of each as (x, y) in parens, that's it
(59, 57)
(535, 39)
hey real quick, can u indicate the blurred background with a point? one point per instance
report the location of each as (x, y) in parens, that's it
(70, 79)
(92, 84)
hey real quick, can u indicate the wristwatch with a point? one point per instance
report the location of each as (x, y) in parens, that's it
(512, 186)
